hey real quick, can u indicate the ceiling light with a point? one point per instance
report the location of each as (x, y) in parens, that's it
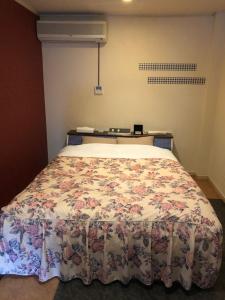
(127, 1)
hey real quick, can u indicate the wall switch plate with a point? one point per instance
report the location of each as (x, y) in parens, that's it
(98, 90)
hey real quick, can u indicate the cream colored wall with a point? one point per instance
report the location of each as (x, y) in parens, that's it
(70, 74)
(215, 57)
(217, 154)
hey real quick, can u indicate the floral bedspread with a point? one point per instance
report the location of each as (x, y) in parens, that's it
(112, 219)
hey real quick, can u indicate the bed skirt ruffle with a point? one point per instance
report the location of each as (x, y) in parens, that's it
(109, 251)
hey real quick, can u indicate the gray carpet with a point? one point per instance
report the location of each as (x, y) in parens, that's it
(76, 290)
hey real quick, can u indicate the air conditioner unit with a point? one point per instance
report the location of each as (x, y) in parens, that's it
(72, 29)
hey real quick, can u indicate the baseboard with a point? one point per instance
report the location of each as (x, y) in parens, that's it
(217, 189)
(193, 174)
(202, 177)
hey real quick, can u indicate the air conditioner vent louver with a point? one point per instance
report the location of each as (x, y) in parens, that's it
(72, 30)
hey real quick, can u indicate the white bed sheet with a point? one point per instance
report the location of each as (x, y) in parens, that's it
(116, 151)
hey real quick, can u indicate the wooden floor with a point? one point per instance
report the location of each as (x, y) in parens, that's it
(20, 288)
(208, 188)
(27, 288)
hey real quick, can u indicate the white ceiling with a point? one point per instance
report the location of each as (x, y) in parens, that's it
(136, 7)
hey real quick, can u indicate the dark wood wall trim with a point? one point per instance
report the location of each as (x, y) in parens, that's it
(23, 146)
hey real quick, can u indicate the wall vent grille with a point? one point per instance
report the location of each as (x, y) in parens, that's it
(177, 80)
(167, 67)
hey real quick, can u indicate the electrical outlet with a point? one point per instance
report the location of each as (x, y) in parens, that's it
(98, 90)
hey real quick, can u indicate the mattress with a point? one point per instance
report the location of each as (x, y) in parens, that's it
(112, 212)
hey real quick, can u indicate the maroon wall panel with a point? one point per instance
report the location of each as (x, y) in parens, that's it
(23, 147)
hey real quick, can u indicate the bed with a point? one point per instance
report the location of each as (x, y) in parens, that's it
(112, 212)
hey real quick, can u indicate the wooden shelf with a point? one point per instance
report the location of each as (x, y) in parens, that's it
(107, 133)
